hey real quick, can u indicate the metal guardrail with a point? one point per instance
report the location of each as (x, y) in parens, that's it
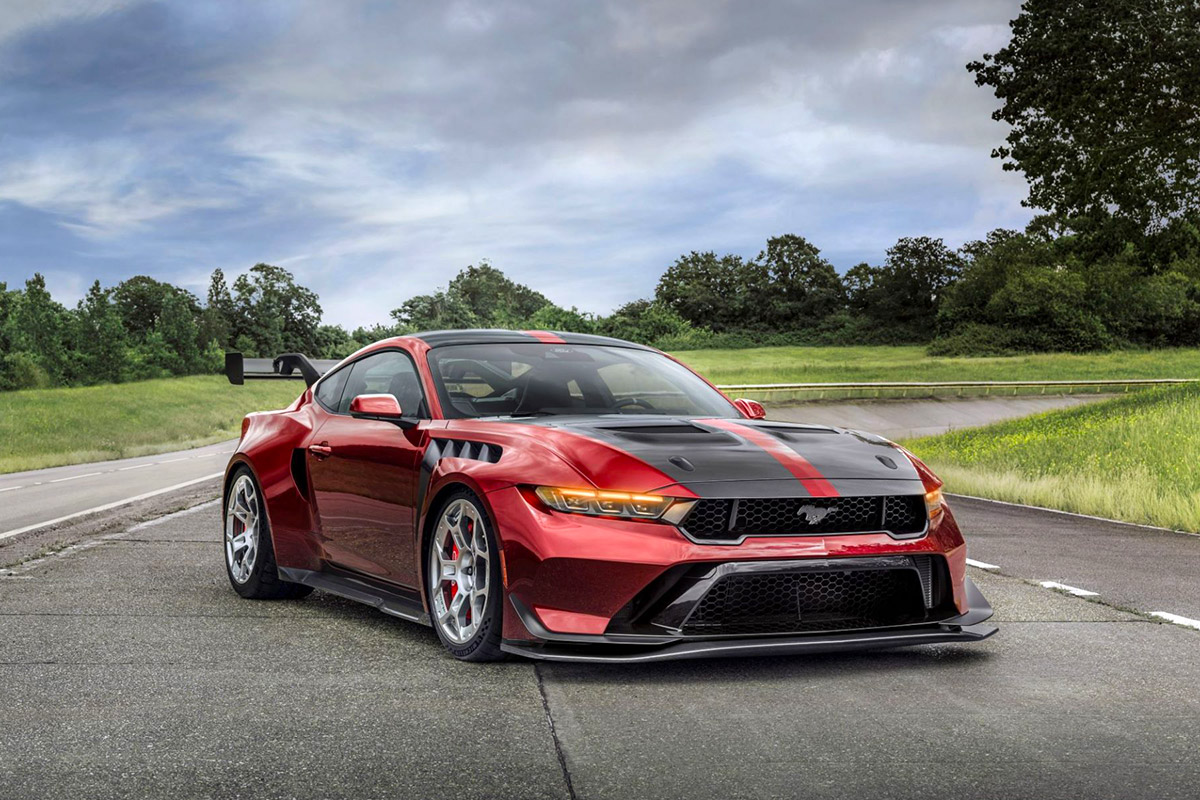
(774, 392)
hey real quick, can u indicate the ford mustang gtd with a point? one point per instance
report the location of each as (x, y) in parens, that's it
(574, 497)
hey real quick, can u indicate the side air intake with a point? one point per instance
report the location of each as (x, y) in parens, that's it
(461, 448)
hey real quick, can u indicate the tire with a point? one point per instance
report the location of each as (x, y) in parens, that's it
(249, 551)
(468, 617)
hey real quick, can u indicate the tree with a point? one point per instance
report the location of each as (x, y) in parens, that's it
(41, 329)
(274, 312)
(140, 301)
(490, 294)
(1103, 98)
(99, 339)
(797, 287)
(216, 320)
(709, 291)
(176, 326)
(442, 310)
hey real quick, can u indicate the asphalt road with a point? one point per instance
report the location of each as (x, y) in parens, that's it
(46, 496)
(129, 668)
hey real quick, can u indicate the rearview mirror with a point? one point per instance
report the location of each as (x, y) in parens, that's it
(383, 407)
(751, 409)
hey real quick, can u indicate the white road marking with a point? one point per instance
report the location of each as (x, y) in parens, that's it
(137, 466)
(172, 461)
(1178, 620)
(207, 455)
(1075, 590)
(107, 506)
(980, 564)
(75, 477)
(10, 488)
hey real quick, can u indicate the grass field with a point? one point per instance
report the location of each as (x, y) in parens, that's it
(51, 427)
(1131, 458)
(44, 428)
(867, 364)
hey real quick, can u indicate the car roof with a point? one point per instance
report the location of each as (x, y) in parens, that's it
(498, 336)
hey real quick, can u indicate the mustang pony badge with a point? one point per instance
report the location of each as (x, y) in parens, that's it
(813, 514)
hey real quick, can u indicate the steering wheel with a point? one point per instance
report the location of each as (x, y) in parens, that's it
(626, 402)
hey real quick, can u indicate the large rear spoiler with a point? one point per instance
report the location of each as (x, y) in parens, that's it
(289, 366)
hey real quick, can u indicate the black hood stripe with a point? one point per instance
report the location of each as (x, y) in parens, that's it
(798, 465)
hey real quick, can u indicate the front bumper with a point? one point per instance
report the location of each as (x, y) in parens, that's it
(626, 647)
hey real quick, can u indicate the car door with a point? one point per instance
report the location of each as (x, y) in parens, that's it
(364, 473)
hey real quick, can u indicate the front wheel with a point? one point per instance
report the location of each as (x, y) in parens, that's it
(249, 553)
(463, 580)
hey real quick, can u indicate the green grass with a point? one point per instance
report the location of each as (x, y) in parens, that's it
(50, 427)
(1131, 458)
(868, 364)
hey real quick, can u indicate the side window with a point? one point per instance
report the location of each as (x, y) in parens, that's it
(390, 372)
(329, 390)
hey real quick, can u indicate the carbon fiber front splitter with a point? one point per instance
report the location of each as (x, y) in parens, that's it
(969, 627)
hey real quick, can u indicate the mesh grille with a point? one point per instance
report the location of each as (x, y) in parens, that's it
(808, 601)
(800, 516)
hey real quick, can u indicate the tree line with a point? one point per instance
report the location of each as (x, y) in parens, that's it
(1102, 104)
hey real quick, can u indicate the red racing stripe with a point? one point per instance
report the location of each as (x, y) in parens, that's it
(546, 337)
(795, 463)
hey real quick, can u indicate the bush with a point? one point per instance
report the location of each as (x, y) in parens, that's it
(21, 371)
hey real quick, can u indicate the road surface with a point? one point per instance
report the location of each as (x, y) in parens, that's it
(129, 669)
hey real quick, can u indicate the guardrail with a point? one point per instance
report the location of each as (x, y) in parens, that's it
(780, 392)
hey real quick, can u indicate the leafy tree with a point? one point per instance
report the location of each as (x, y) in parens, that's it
(41, 329)
(489, 294)
(1103, 100)
(706, 290)
(140, 301)
(99, 339)
(649, 322)
(216, 320)
(442, 310)
(274, 313)
(334, 342)
(553, 318)
(797, 288)
(176, 326)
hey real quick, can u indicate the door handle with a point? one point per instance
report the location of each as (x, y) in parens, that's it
(322, 450)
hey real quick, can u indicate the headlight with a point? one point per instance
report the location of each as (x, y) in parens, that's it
(604, 504)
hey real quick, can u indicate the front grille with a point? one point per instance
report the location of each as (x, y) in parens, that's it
(799, 602)
(720, 520)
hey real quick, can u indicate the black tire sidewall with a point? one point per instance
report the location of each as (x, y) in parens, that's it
(264, 579)
(484, 645)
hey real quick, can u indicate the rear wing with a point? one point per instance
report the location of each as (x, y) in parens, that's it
(289, 366)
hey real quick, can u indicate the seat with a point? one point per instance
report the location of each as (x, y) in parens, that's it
(406, 389)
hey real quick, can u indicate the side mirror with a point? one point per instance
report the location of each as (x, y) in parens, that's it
(751, 409)
(382, 407)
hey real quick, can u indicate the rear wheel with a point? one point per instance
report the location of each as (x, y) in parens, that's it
(249, 553)
(463, 580)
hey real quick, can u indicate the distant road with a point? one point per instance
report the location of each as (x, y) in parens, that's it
(39, 498)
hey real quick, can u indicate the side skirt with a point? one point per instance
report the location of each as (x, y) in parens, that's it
(399, 604)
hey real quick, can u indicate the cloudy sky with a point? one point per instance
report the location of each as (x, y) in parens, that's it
(375, 148)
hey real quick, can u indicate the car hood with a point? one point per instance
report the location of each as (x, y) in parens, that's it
(744, 458)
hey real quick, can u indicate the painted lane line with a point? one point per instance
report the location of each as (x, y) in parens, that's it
(207, 455)
(108, 506)
(981, 564)
(10, 488)
(172, 461)
(136, 466)
(1178, 620)
(75, 477)
(1075, 590)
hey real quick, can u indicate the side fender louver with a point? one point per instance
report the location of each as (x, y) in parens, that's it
(461, 448)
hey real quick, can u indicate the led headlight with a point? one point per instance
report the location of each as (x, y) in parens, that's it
(604, 504)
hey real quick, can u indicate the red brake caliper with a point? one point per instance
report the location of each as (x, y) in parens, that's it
(453, 556)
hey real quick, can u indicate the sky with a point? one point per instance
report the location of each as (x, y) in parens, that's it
(376, 148)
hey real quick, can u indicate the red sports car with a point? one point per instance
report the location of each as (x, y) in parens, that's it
(581, 498)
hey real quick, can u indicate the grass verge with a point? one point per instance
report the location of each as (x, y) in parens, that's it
(1130, 458)
(51, 427)
(866, 364)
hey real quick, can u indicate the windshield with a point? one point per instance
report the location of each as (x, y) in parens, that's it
(535, 379)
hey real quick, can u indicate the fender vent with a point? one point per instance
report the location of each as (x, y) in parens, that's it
(461, 448)
(300, 471)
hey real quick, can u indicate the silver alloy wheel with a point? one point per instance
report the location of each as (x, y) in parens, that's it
(242, 529)
(458, 571)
